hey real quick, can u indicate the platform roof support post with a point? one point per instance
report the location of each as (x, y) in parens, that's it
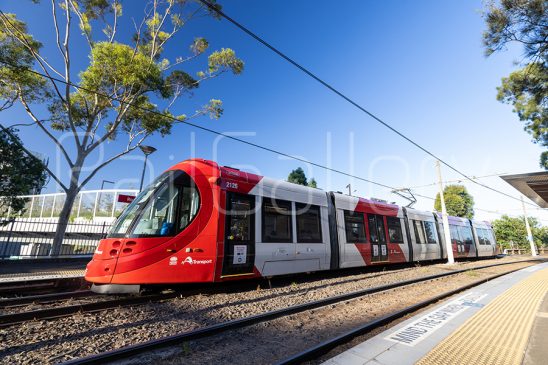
(528, 227)
(445, 219)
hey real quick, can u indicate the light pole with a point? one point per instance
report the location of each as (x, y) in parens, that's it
(147, 150)
(106, 181)
(445, 219)
(528, 227)
(98, 196)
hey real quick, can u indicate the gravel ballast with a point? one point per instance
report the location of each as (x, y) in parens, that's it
(84, 334)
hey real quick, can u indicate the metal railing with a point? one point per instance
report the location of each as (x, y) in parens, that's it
(91, 205)
(33, 238)
(524, 251)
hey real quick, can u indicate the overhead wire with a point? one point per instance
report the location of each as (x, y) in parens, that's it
(346, 98)
(268, 149)
(212, 131)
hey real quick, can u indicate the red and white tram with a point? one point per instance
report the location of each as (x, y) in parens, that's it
(201, 222)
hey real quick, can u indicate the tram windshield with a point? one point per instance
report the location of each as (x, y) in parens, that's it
(164, 208)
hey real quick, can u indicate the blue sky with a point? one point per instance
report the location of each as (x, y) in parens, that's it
(418, 65)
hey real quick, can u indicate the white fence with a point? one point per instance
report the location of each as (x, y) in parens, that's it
(90, 205)
(31, 237)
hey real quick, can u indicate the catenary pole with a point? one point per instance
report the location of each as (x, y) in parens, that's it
(445, 219)
(528, 227)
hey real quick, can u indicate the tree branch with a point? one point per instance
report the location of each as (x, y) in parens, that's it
(128, 150)
(115, 21)
(9, 26)
(82, 25)
(45, 130)
(67, 78)
(56, 27)
(114, 127)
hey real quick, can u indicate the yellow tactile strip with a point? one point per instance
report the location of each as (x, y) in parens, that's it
(497, 334)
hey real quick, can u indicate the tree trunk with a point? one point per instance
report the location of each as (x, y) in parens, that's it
(64, 216)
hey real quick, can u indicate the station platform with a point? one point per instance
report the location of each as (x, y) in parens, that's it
(42, 268)
(504, 321)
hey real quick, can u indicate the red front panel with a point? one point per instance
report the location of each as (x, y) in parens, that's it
(189, 256)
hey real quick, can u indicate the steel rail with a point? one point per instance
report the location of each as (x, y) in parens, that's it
(11, 319)
(12, 302)
(326, 346)
(215, 329)
(39, 285)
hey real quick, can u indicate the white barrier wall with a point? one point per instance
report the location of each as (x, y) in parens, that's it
(95, 206)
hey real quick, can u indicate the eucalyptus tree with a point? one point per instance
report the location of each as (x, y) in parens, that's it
(127, 90)
(458, 201)
(20, 174)
(524, 22)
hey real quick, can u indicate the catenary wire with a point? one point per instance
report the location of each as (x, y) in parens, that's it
(268, 149)
(348, 99)
(53, 78)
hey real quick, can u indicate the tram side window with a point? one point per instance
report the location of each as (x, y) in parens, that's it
(455, 234)
(430, 229)
(419, 232)
(466, 235)
(189, 206)
(376, 228)
(240, 222)
(490, 236)
(309, 225)
(394, 230)
(481, 236)
(487, 236)
(354, 226)
(277, 221)
(158, 218)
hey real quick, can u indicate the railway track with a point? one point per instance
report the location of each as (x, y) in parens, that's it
(11, 319)
(44, 298)
(40, 286)
(314, 352)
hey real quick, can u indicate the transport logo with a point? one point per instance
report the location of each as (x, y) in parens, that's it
(172, 261)
(190, 260)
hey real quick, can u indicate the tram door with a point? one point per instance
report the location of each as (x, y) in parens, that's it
(239, 248)
(377, 235)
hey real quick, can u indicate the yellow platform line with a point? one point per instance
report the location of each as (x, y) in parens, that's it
(497, 334)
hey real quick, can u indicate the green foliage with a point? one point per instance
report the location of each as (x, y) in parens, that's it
(525, 22)
(225, 59)
(298, 176)
(544, 160)
(510, 230)
(114, 69)
(522, 21)
(128, 88)
(20, 174)
(458, 201)
(527, 90)
(138, 118)
(18, 54)
(199, 46)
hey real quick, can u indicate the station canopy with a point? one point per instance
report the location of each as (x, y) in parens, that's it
(533, 185)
